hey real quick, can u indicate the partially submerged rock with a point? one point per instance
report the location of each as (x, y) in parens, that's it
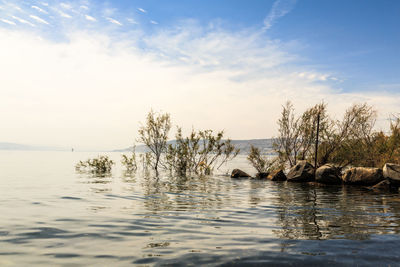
(236, 173)
(328, 174)
(384, 185)
(277, 175)
(262, 175)
(301, 172)
(392, 173)
(363, 176)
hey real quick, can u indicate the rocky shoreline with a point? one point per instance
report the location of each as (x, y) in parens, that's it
(387, 178)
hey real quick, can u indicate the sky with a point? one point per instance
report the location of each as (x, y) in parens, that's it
(85, 73)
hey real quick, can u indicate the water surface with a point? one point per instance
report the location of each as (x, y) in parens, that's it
(51, 215)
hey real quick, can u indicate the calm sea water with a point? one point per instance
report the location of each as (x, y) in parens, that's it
(51, 215)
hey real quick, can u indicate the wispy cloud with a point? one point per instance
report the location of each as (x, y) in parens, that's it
(65, 6)
(153, 22)
(317, 76)
(38, 19)
(142, 10)
(64, 15)
(20, 20)
(8, 21)
(132, 21)
(173, 68)
(90, 18)
(114, 21)
(17, 7)
(224, 69)
(39, 9)
(279, 9)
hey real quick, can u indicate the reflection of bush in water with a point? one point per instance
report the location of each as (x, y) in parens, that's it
(158, 245)
(332, 212)
(185, 193)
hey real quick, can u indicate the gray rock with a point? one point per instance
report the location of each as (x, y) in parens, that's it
(328, 174)
(392, 173)
(277, 175)
(363, 176)
(236, 173)
(301, 172)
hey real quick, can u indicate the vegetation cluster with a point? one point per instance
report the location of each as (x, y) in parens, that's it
(99, 165)
(200, 153)
(351, 141)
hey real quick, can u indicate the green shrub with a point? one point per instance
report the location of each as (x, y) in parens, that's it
(99, 165)
(154, 134)
(129, 162)
(259, 162)
(199, 153)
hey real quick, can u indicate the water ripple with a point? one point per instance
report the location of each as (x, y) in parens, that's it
(211, 221)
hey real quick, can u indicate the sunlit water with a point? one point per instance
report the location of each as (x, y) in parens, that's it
(51, 215)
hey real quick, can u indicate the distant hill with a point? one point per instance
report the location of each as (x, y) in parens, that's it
(264, 144)
(15, 146)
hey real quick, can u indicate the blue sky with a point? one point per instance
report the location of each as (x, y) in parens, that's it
(62, 59)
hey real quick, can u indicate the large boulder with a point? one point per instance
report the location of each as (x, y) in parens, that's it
(236, 173)
(277, 175)
(363, 176)
(392, 173)
(301, 172)
(328, 174)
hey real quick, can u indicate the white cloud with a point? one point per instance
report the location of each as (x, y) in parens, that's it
(93, 90)
(17, 7)
(153, 22)
(90, 18)
(66, 6)
(39, 9)
(38, 19)
(316, 76)
(142, 10)
(64, 15)
(132, 21)
(8, 21)
(279, 9)
(23, 21)
(116, 22)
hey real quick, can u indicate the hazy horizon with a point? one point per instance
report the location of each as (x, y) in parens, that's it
(85, 73)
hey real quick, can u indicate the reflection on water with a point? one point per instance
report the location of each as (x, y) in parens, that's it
(334, 212)
(52, 215)
(184, 193)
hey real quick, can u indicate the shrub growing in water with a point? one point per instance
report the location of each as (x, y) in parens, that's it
(261, 163)
(129, 162)
(154, 134)
(199, 153)
(349, 141)
(99, 165)
(297, 134)
(386, 148)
